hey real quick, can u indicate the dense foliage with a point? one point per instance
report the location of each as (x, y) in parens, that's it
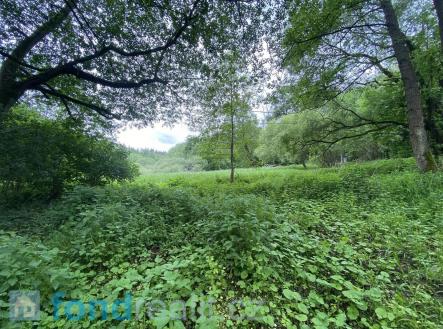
(39, 157)
(356, 247)
(356, 126)
(334, 46)
(179, 158)
(352, 246)
(207, 151)
(114, 59)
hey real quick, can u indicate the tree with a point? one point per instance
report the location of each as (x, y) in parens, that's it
(284, 140)
(68, 54)
(439, 10)
(40, 156)
(224, 111)
(125, 60)
(417, 131)
(356, 127)
(341, 44)
(220, 151)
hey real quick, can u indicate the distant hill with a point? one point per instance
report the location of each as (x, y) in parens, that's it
(175, 160)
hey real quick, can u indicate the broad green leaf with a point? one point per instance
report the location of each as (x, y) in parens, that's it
(291, 295)
(352, 312)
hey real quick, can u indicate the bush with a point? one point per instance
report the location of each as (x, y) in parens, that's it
(30, 265)
(40, 157)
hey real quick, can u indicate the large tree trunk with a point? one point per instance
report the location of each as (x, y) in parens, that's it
(417, 131)
(439, 9)
(10, 71)
(9, 95)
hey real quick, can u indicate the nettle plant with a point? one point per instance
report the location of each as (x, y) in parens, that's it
(233, 256)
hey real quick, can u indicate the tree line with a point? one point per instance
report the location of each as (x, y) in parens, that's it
(348, 72)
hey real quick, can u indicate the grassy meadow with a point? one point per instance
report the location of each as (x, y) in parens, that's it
(358, 246)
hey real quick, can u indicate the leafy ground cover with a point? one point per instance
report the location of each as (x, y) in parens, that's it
(352, 247)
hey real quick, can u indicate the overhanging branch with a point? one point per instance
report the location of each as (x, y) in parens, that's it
(335, 141)
(71, 68)
(65, 98)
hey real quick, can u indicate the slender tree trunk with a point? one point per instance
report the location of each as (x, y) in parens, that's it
(232, 143)
(417, 131)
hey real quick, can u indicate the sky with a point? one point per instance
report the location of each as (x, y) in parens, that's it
(158, 137)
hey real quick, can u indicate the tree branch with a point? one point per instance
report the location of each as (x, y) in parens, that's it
(325, 34)
(123, 84)
(63, 100)
(372, 59)
(41, 32)
(333, 142)
(11, 65)
(55, 93)
(18, 61)
(71, 7)
(70, 68)
(370, 121)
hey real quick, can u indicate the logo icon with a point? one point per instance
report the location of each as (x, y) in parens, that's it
(24, 305)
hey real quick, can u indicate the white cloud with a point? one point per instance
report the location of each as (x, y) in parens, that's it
(158, 137)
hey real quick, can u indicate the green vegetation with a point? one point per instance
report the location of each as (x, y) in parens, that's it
(356, 125)
(41, 157)
(351, 247)
(310, 197)
(175, 160)
(325, 67)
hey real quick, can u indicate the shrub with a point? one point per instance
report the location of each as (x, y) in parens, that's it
(30, 265)
(39, 157)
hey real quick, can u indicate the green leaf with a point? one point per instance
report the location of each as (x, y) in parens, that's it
(374, 294)
(178, 325)
(321, 320)
(354, 295)
(161, 319)
(381, 313)
(291, 295)
(269, 320)
(301, 317)
(340, 319)
(352, 312)
(207, 323)
(315, 298)
(303, 308)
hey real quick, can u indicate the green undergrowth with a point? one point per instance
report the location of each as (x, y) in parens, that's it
(352, 247)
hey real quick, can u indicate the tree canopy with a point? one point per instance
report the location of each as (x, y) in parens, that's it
(333, 46)
(129, 61)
